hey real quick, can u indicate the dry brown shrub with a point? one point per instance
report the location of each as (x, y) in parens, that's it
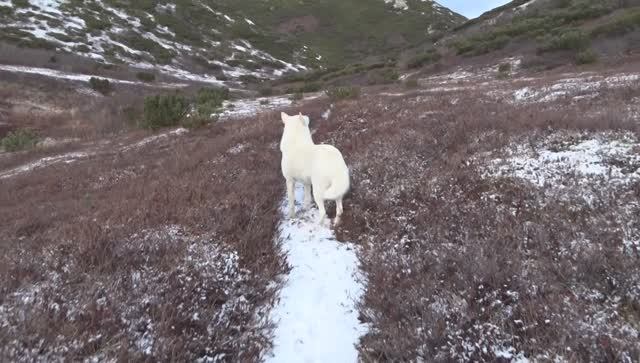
(134, 269)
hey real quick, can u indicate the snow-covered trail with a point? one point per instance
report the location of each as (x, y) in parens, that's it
(316, 316)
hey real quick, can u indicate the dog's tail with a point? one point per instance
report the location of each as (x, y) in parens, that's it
(339, 186)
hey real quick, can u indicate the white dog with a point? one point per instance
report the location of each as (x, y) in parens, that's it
(320, 166)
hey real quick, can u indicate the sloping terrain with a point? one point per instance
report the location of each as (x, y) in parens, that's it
(224, 39)
(495, 226)
(494, 219)
(493, 213)
(91, 271)
(555, 31)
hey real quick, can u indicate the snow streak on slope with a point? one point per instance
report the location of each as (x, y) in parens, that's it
(316, 316)
(83, 77)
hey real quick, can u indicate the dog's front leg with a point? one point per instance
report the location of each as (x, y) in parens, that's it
(291, 198)
(307, 196)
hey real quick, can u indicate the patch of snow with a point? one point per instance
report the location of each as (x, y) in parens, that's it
(238, 148)
(398, 4)
(525, 5)
(326, 114)
(316, 316)
(249, 21)
(251, 106)
(572, 86)
(590, 157)
(78, 77)
(47, 161)
(510, 354)
(154, 138)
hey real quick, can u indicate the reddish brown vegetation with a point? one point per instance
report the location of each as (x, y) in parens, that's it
(162, 252)
(461, 266)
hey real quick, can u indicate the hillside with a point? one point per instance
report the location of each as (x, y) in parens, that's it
(493, 213)
(552, 32)
(223, 39)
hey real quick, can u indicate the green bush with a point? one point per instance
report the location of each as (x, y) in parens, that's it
(424, 59)
(21, 3)
(95, 24)
(248, 78)
(265, 91)
(343, 93)
(101, 85)
(82, 48)
(570, 40)
(482, 45)
(146, 76)
(19, 140)
(209, 101)
(586, 57)
(619, 25)
(310, 87)
(164, 110)
(504, 68)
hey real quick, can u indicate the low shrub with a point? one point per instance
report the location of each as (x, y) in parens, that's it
(310, 87)
(586, 57)
(164, 110)
(19, 140)
(146, 76)
(504, 70)
(101, 85)
(572, 40)
(209, 100)
(619, 25)
(265, 91)
(297, 96)
(424, 59)
(343, 93)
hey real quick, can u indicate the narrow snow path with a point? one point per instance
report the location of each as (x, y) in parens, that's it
(316, 317)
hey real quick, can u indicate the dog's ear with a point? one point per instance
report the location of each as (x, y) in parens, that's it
(283, 116)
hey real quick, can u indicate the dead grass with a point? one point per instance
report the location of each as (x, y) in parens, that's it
(163, 252)
(465, 267)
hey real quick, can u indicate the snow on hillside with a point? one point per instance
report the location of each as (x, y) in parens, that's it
(590, 157)
(112, 35)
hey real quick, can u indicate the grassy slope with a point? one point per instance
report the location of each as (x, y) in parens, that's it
(571, 26)
(348, 30)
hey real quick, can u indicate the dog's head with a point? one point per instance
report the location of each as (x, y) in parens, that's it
(299, 118)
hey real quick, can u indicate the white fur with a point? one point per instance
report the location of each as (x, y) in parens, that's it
(320, 166)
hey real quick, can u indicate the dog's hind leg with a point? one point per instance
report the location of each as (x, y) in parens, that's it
(307, 196)
(291, 198)
(317, 196)
(338, 211)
